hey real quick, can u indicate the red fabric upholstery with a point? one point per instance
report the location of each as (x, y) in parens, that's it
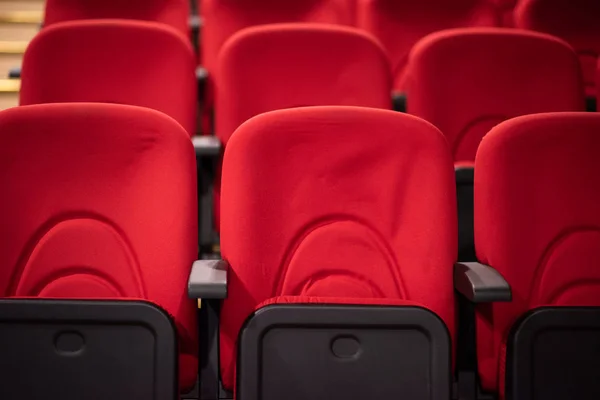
(576, 21)
(506, 8)
(537, 220)
(280, 66)
(465, 81)
(99, 201)
(399, 24)
(347, 202)
(171, 12)
(223, 18)
(113, 61)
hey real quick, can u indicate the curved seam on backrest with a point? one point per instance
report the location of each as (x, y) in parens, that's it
(328, 220)
(71, 271)
(573, 284)
(554, 244)
(46, 227)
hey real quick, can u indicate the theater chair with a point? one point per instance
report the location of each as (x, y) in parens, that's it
(281, 66)
(98, 238)
(113, 61)
(338, 237)
(537, 220)
(175, 13)
(399, 24)
(223, 18)
(575, 21)
(465, 81)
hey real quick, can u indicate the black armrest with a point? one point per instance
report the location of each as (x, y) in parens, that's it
(14, 73)
(208, 280)
(207, 146)
(465, 174)
(481, 283)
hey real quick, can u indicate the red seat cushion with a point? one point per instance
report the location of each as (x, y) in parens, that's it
(350, 202)
(399, 24)
(99, 201)
(465, 81)
(537, 221)
(139, 63)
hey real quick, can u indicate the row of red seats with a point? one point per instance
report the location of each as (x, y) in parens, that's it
(500, 74)
(398, 25)
(338, 278)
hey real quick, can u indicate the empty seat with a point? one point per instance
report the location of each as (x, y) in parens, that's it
(113, 61)
(278, 66)
(465, 81)
(175, 13)
(537, 222)
(575, 21)
(99, 202)
(399, 24)
(223, 18)
(337, 205)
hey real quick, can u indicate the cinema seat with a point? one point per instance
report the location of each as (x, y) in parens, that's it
(113, 61)
(465, 81)
(338, 251)
(223, 18)
(399, 24)
(537, 222)
(99, 235)
(574, 21)
(279, 66)
(174, 13)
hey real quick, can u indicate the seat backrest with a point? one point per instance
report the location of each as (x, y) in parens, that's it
(575, 21)
(537, 220)
(507, 8)
(174, 13)
(99, 201)
(223, 18)
(465, 81)
(349, 202)
(278, 66)
(399, 24)
(113, 61)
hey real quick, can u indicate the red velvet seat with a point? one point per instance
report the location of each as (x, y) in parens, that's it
(113, 61)
(99, 202)
(223, 18)
(399, 24)
(278, 66)
(465, 81)
(574, 21)
(537, 222)
(174, 13)
(336, 205)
